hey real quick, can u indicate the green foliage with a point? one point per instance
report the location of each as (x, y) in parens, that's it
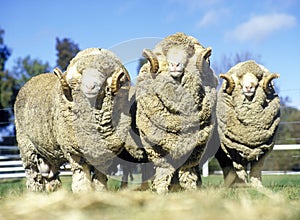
(289, 128)
(285, 160)
(6, 91)
(8, 88)
(11, 82)
(26, 68)
(66, 50)
(5, 52)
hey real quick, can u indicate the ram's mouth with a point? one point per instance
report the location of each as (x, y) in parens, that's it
(249, 94)
(176, 74)
(91, 95)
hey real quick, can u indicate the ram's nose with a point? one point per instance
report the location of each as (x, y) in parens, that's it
(176, 69)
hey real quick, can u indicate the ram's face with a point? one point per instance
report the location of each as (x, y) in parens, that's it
(91, 82)
(177, 59)
(249, 83)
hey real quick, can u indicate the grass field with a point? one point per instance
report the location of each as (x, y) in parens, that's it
(280, 199)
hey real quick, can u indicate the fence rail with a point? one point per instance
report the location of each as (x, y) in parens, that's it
(11, 165)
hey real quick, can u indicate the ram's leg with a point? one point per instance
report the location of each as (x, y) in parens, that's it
(189, 178)
(34, 180)
(38, 180)
(226, 165)
(50, 174)
(242, 176)
(99, 181)
(148, 171)
(52, 184)
(81, 178)
(163, 176)
(255, 172)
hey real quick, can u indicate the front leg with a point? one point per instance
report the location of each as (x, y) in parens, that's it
(99, 181)
(81, 178)
(255, 171)
(226, 165)
(189, 178)
(163, 176)
(49, 173)
(242, 176)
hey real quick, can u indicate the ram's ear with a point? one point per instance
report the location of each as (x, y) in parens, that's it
(64, 84)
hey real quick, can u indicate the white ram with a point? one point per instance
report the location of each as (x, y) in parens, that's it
(248, 114)
(80, 117)
(176, 94)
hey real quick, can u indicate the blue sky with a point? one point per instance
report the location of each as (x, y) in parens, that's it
(266, 28)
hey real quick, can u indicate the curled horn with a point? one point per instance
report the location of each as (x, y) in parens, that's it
(119, 78)
(230, 83)
(203, 55)
(151, 57)
(64, 84)
(267, 81)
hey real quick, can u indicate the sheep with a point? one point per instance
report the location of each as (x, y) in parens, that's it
(248, 114)
(79, 117)
(175, 95)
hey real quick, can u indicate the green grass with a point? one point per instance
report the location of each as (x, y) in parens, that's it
(276, 183)
(279, 199)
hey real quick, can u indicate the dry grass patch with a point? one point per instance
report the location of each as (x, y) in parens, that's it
(208, 203)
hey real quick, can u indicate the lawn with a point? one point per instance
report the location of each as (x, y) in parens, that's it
(280, 199)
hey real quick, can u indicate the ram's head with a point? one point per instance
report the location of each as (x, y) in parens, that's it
(249, 82)
(94, 69)
(249, 76)
(175, 61)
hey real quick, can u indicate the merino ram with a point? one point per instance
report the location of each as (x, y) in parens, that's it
(248, 113)
(176, 94)
(80, 117)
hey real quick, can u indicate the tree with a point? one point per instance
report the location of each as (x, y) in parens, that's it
(26, 68)
(5, 53)
(11, 82)
(289, 128)
(228, 61)
(66, 50)
(10, 85)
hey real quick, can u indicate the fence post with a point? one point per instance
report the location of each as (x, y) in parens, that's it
(205, 169)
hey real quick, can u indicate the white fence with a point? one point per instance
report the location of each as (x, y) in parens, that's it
(11, 164)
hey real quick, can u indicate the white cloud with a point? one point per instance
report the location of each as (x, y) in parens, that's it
(207, 19)
(212, 17)
(260, 27)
